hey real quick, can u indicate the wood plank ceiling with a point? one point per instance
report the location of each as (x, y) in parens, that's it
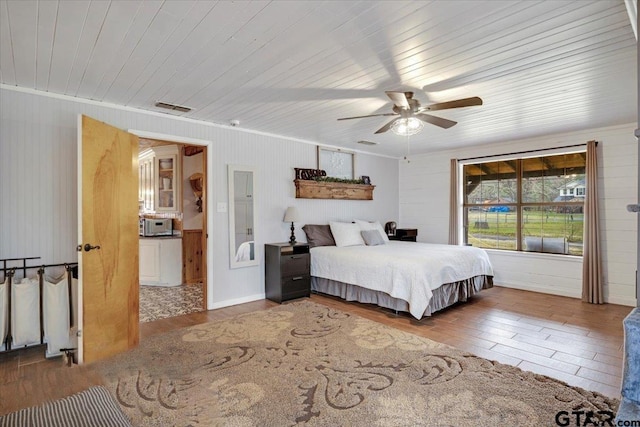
(293, 67)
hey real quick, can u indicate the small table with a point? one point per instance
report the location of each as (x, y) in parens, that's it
(405, 234)
(287, 271)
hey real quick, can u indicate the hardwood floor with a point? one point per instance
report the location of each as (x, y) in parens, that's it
(560, 337)
(564, 338)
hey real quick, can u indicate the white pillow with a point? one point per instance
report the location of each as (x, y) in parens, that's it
(366, 225)
(372, 237)
(346, 234)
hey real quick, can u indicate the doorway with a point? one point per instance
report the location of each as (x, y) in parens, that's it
(174, 191)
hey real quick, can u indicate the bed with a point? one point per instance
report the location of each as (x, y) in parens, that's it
(418, 278)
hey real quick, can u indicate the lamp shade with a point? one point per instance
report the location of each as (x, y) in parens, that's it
(291, 215)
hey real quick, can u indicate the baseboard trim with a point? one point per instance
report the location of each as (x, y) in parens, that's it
(622, 301)
(235, 301)
(559, 292)
(609, 300)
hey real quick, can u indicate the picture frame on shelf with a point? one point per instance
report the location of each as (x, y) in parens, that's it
(365, 180)
(336, 162)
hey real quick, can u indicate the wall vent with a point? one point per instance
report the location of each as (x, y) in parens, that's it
(367, 143)
(174, 107)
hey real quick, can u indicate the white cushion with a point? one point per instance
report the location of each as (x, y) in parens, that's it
(366, 225)
(346, 234)
(372, 237)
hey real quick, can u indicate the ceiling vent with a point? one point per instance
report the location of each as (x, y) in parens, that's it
(174, 107)
(367, 143)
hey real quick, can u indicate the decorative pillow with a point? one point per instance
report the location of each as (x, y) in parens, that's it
(318, 235)
(372, 237)
(366, 225)
(346, 234)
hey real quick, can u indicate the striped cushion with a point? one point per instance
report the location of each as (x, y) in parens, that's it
(91, 408)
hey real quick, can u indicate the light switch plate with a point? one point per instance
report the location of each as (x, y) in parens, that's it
(222, 207)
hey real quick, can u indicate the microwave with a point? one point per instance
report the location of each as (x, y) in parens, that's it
(150, 227)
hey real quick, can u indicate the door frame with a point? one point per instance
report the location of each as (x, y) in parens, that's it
(208, 199)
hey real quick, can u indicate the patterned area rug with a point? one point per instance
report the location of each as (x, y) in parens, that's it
(304, 363)
(158, 302)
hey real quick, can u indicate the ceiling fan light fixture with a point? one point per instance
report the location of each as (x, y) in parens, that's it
(407, 126)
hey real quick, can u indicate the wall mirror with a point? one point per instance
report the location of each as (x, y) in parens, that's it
(242, 248)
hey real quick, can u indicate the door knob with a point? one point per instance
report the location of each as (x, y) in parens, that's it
(86, 247)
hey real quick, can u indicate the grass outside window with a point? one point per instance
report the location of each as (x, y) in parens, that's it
(533, 204)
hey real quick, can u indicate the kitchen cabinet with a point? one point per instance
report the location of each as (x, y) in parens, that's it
(161, 261)
(193, 267)
(160, 179)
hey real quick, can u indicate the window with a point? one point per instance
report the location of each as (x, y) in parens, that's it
(337, 163)
(531, 204)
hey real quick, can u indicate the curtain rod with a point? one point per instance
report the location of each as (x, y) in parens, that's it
(19, 259)
(28, 267)
(527, 151)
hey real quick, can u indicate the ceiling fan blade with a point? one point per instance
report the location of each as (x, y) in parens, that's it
(466, 102)
(387, 126)
(398, 98)
(438, 121)
(370, 115)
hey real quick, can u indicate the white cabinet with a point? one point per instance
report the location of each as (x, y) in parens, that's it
(149, 261)
(160, 179)
(146, 191)
(160, 261)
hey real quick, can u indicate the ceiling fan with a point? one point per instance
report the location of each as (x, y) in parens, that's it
(407, 107)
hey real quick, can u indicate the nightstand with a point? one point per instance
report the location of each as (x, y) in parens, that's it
(287, 271)
(405, 234)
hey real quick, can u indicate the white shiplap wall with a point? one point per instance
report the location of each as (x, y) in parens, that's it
(424, 203)
(38, 184)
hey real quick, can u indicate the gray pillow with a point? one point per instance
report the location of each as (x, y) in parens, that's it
(372, 237)
(319, 235)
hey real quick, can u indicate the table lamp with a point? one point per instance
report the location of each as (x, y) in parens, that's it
(291, 215)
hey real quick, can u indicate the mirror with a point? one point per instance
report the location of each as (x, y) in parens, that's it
(242, 248)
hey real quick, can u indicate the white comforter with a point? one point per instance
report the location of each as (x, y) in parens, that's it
(405, 270)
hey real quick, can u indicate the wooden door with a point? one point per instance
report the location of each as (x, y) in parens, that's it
(108, 219)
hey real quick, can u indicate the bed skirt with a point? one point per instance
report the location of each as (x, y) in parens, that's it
(445, 296)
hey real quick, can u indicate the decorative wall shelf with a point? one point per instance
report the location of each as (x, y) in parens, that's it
(310, 189)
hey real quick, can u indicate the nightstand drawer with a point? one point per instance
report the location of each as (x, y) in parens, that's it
(407, 232)
(292, 265)
(287, 271)
(296, 284)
